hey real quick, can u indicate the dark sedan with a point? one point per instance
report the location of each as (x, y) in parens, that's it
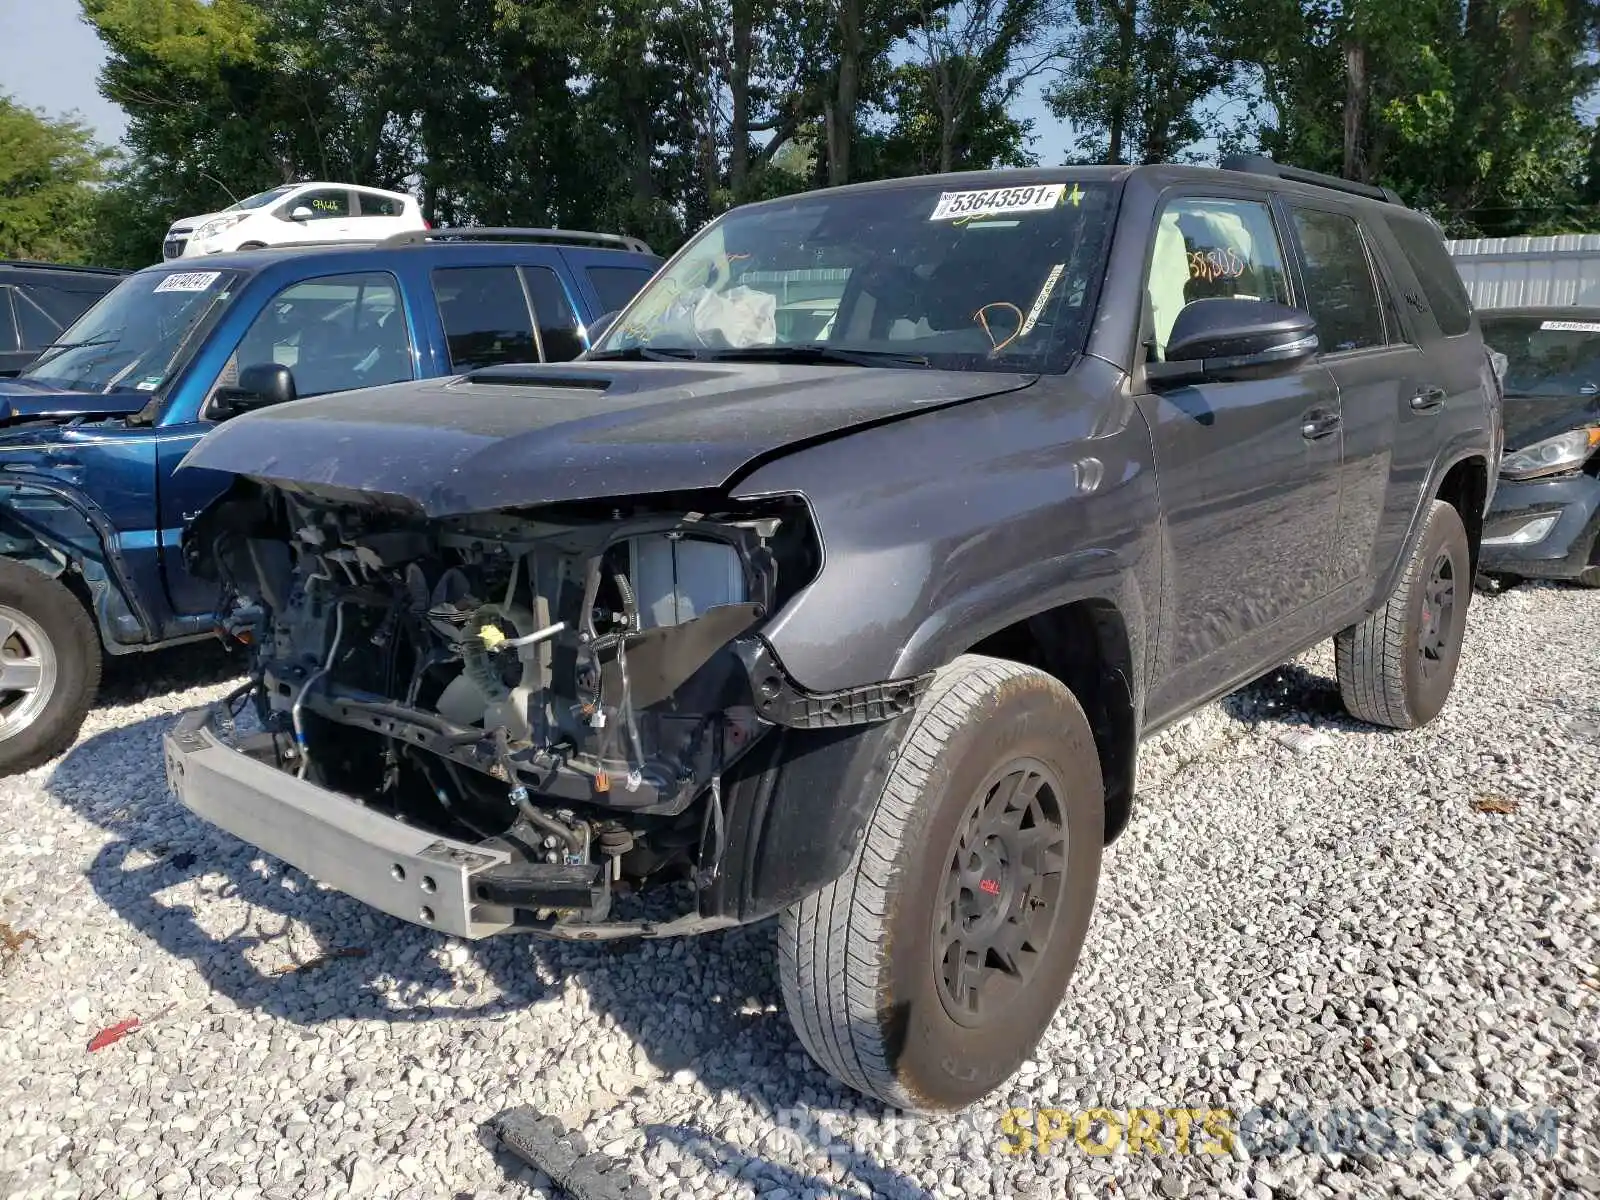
(1545, 521)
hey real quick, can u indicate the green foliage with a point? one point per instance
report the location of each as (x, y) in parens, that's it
(1137, 72)
(651, 116)
(48, 172)
(1469, 109)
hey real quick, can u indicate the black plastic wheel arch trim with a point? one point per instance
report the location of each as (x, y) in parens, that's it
(783, 702)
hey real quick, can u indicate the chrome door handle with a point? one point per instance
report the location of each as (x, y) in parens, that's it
(1318, 425)
(1428, 399)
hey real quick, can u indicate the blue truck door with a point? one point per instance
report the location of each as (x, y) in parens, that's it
(335, 332)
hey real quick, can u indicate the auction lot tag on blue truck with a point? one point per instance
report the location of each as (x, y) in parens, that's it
(1037, 198)
(188, 281)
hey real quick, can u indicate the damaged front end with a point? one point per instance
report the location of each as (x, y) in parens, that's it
(539, 707)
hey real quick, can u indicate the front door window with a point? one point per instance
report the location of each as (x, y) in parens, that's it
(335, 333)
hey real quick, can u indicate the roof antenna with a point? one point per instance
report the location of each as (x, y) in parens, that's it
(220, 184)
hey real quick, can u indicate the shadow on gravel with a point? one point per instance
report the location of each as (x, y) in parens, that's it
(131, 678)
(711, 1003)
(1294, 697)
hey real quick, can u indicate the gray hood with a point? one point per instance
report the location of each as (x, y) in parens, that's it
(516, 436)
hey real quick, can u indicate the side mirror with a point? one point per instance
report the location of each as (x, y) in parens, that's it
(301, 213)
(261, 385)
(598, 328)
(1228, 338)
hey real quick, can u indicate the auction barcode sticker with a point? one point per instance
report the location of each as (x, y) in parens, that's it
(188, 281)
(1572, 326)
(1037, 198)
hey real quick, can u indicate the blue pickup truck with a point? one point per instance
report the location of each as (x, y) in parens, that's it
(91, 504)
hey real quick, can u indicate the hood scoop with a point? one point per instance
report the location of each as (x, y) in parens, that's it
(596, 377)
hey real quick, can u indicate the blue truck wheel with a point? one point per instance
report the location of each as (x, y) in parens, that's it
(49, 667)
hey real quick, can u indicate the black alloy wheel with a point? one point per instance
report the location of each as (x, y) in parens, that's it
(1002, 892)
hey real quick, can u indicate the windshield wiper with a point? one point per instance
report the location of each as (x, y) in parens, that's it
(55, 348)
(642, 354)
(813, 353)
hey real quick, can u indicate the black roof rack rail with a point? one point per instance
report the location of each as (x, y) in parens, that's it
(1260, 164)
(48, 266)
(471, 233)
(337, 244)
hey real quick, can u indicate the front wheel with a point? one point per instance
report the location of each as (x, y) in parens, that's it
(1397, 666)
(49, 667)
(927, 973)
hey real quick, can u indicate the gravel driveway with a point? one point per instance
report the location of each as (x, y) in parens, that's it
(1331, 924)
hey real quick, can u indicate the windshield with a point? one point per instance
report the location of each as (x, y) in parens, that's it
(1545, 356)
(262, 199)
(991, 279)
(138, 335)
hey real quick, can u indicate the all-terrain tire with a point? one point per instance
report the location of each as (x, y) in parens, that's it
(1386, 675)
(35, 608)
(860, 961)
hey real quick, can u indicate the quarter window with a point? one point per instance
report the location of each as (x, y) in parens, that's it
(617, 285)
(334, 333)
(485, 316)
(1340, 291)
(35, 327)
(1441, 282)
(1207, 247)
(374, 205)
(558, 321)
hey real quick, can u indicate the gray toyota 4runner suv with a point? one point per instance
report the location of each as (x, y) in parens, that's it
(841, 579)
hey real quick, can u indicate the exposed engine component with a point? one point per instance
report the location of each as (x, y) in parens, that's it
(567, 684)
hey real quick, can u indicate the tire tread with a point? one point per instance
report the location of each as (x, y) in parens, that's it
(1370, 656)
(830, 943)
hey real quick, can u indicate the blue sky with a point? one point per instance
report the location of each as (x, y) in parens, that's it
(52, 58)
(51, 61)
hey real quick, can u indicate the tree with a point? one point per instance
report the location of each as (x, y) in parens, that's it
(1470, 109)
(1138, 74)
(975, 57)
(49, 168)
(917, 138)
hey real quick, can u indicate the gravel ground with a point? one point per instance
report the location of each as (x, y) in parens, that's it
(1304, 914)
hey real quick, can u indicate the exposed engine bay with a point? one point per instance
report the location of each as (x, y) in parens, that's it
(570, 683)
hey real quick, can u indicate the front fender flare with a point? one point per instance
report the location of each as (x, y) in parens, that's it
(1034, 588)
(81, 534)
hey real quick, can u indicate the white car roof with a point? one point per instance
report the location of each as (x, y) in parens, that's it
(360, 187)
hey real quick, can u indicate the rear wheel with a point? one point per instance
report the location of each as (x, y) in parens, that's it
(1396, 667)
(927, 973)
(49, 667)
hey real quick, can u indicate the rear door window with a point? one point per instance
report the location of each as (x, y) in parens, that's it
(558, 320)
(485, 316)
(617, 285)
(1340, 291)
(66, 305)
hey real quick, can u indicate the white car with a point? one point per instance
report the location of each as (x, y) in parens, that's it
(295, 212)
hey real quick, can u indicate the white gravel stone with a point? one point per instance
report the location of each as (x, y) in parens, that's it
(1339, 928)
